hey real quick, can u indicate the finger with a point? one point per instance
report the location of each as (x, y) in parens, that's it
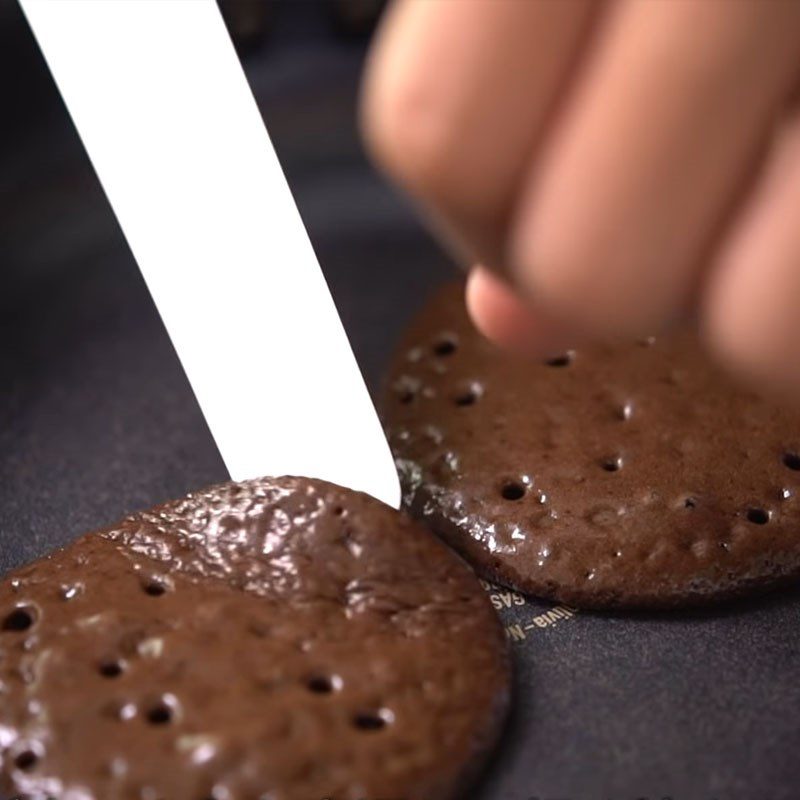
(455, 97)
(659, 133)
(753, 292)
(502, 316)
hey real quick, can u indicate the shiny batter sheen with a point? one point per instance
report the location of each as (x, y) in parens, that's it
(626, 476)
(272, 640)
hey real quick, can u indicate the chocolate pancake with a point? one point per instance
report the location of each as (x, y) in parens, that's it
(629, 476)
(276, 639)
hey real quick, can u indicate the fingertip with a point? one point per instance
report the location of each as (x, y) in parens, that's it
(510, 322)
(753, 350)
(749, 304)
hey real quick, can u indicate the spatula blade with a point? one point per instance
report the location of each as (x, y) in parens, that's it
(166, 115)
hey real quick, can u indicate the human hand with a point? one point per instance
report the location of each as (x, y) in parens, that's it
(619, 163)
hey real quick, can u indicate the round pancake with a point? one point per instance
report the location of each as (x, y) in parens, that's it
(627, 476)
(279, 639)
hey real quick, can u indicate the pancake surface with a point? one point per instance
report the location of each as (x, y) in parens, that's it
(278, 639)
(628, 476)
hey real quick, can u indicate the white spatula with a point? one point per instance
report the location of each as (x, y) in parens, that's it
(163, 108)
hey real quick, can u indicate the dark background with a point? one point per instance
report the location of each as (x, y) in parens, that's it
(96, 420)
